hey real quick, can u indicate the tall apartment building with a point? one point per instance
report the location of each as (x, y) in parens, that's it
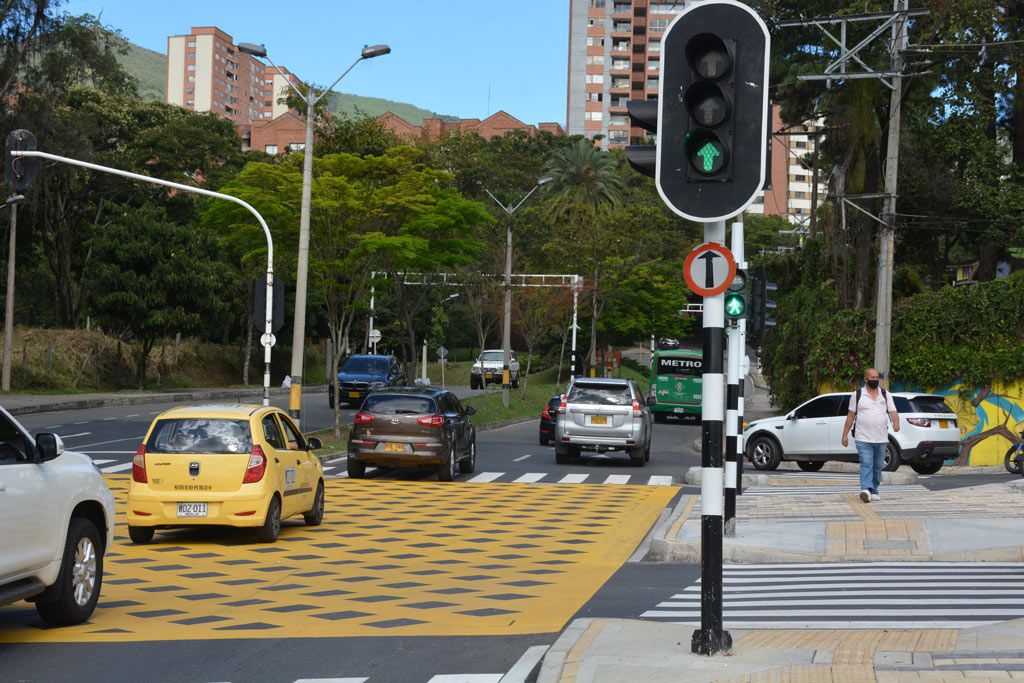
(615, 56)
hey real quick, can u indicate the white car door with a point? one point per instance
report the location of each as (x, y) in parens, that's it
(29, 505)
(806, 432)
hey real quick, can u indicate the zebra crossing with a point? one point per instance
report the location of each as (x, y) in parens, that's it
(847, 488)
(858, 596)
(540, 477)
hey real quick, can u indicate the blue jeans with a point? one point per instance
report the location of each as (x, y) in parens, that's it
(872, 457)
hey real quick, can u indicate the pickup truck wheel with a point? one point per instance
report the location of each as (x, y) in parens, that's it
(636, 457)
(765, 453)
(272, 524)
(141, 535)
(810, 465)
(474, 383)
(81, 574)
(315, 515)
(928, 467)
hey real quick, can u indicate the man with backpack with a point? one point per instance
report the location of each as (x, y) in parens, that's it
(871, 407)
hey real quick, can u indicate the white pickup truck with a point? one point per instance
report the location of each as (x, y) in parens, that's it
(488, 368)
(56, 523)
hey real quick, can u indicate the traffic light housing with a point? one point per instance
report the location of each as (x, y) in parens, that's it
(20, 172)
(643, 113)
(712, 116)
(759, 320)
(736, 297)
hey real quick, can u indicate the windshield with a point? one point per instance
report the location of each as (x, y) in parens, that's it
(365, 366)
(384, 404)
(493, 356)
(680, 367)
(200, 435)
(606, 394)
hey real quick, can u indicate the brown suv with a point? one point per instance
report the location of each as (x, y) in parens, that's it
(413, 427)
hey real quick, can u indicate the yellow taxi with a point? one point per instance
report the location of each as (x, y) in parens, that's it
(232, 465)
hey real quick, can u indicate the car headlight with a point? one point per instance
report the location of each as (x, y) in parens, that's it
(376, 385)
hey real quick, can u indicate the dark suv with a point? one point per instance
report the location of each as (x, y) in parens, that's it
(413, 427)
(363, 373)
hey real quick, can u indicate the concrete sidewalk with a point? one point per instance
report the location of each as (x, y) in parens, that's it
(617, 650)
(24, 404)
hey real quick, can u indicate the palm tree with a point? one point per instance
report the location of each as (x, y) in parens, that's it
(586, 186)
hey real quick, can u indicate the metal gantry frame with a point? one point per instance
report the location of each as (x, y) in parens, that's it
(561, 280)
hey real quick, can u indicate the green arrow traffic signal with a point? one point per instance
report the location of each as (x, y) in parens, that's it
(735, 305)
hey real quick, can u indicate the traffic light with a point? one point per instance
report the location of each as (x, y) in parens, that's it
(643, 113)
(759, 321)
(20, 172)
(713, 111)
(736, 297)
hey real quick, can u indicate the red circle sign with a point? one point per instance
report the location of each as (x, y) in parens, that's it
(709, 269)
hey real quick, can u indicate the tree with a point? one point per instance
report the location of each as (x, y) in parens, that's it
(154, 278)
(22, 23)
(536, 311)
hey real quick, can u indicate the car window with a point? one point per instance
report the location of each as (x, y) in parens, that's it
(272, 433)
(13, 447)
(391, 404)
(601, 393)
(902, 404)
(928, 404)
(364, 365)
(292, 435)
(823, 406)
(200, 435)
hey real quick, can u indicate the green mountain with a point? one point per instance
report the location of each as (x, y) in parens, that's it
(150, 68)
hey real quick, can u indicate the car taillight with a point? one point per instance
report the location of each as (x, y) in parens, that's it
(919, 421)
(362, 418)
(636, 408)
(545, 414)
(431, 421)
(139, 465)
(257, 465)
(562, 404)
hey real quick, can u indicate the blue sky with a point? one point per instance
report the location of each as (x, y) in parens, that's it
(444, 54)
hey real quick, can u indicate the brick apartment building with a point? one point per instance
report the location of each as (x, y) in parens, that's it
(615, 56)
(206, 72)
(431, 130)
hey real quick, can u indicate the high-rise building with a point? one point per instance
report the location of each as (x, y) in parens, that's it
(615, 56)
(206, 72)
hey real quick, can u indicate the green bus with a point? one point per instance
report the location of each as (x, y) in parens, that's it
(675, 383)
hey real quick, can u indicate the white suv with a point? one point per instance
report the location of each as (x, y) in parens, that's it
(812, 434)
(488, 368)
(57, 516)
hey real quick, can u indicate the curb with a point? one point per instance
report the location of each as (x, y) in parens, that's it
(555, 658)
(146, 399)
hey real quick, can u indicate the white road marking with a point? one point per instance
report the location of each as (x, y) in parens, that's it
(660, 480)
(101, 462)
(526, 664)
(485, 477)
(72, 436)
(109, 452)
(155, 412)
(617, 479)
(344, 457)
(528, 455)
(108, 419)
(83, 422)
(344, 475)
(332, 680)
(132, 415)
(531, 477)
(52, 427)
(573, 479)
(118, 468)
(82, 447)
(466, 678)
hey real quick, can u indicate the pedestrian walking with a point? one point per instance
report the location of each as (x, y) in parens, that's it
(871, 408)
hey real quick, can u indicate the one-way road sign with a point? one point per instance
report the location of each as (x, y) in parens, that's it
(709, 269)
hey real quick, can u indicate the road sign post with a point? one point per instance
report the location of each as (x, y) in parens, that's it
(375, 337)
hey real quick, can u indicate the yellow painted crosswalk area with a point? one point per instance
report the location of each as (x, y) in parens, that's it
(392, 558)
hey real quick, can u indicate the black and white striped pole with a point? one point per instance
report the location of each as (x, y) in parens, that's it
(732, 396)
(712, 637)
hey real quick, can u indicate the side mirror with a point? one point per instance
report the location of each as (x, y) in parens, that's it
(470, 410)
(48, 446)
(791, 416)
(314, 443)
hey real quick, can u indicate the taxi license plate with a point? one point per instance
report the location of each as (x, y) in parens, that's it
(598, 419)
(394, 447)
(192, 509)
(353, 394)
(943, 424)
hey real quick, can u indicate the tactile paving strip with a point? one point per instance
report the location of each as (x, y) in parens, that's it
(392, 558)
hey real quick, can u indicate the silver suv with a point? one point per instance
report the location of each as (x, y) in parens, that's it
(603, 415)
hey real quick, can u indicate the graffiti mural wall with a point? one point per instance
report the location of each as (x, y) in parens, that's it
(990, 419)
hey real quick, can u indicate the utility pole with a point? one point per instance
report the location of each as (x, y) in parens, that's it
(887, 242)
(11, 202)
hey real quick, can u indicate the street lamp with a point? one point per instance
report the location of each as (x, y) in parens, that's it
(506, 335)
(12, 204)
(302, 271)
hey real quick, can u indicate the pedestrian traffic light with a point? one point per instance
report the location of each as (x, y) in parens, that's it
(643, 113)
(20, 172)
(759, 321)
(736, 297)
(713, 111)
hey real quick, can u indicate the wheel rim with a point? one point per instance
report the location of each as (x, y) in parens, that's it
(319, 509)
(472, 454)
(452, 466)
(762, 453)
(275, 522)
(888, 457)
(83, 577)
